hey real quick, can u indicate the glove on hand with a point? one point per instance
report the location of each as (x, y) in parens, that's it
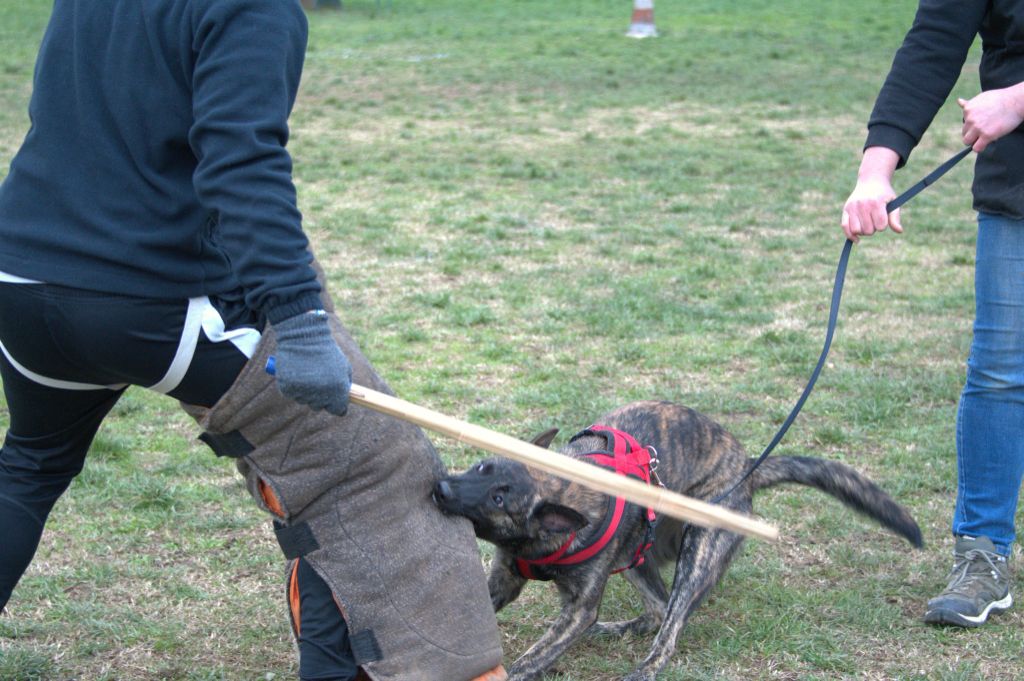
(310, 367)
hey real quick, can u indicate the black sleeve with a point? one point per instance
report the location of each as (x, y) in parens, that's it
(924, 71)
(248, 63)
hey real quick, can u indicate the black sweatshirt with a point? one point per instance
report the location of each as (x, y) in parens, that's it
(155, 165)
(924, 72)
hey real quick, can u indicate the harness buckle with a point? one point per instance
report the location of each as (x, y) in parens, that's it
(653, 466)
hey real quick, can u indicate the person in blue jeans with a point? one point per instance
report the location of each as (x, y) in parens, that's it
(990, 419)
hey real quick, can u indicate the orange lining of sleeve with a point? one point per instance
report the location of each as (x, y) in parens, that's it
(293, 598)
(270, 499)
(496, 674)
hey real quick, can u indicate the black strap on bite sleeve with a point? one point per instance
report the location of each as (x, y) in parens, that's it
(232, 445)
(365, 647)
(295, 540)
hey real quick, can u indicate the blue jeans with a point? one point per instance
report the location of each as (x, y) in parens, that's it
(990, 421)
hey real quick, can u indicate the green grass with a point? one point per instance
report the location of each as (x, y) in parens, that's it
(528, 219)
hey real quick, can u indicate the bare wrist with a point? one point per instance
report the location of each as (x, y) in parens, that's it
(878, 163)
(1017, 98)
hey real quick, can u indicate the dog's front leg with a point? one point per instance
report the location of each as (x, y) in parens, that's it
(504, 581)
(579, 612)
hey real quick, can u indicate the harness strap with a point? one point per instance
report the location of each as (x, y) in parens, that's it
(201, 315)
(611, 526)
(626, 457)
(186, 346)
(526, 566)
(630, 457)
(55, 382)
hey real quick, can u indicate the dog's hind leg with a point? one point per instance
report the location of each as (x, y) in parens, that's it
(703, 558)
(649, 583)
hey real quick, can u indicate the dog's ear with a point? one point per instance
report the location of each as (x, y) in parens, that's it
(544, 439)
(557, 518)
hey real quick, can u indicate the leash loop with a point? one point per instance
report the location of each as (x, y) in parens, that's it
(833, 316)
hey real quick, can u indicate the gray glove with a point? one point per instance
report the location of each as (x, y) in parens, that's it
(310, 367)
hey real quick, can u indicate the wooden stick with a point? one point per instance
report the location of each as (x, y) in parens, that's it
(660, 499)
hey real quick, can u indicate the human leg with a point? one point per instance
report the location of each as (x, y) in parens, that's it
(78, 338)
(325, 652)
(35, 471)
(321, 634)
(354, 492)
(989, 433)
(38, 461)
(990, 423)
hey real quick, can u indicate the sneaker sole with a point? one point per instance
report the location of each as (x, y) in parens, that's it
(946, 616)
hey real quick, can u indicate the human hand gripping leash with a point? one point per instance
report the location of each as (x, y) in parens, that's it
(833, 315)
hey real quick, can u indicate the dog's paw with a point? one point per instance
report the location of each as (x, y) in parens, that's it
(635, 627)
(640, 675)
(528, 671)
(513, 675)
(614, 629)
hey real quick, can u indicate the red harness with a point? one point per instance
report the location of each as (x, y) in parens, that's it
(625, 457)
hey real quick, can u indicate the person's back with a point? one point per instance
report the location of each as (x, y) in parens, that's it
(156, 162)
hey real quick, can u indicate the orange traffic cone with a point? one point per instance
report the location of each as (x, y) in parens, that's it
(642, 25)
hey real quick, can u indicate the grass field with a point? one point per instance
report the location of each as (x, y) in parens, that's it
(528, 219)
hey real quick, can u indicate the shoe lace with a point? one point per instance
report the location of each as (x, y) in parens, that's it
(966, 570)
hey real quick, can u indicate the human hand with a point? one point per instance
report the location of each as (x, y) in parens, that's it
(992, 114)
(864, 211)
(310, 367)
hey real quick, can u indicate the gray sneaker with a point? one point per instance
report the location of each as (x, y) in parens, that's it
(979, 583)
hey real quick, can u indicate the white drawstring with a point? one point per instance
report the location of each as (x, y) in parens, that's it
(200, 316)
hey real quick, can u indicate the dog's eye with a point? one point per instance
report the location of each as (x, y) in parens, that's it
(484, 468)
(498, 495)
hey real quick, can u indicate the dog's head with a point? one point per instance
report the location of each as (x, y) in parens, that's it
(510, 505)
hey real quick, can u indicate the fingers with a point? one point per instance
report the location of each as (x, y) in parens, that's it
(867, 216)
(894, 221)
(985, 120)
(974, 139)
(848, 229)
(864, 212)
(967, 130)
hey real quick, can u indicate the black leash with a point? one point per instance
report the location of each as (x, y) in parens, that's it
(833, 315)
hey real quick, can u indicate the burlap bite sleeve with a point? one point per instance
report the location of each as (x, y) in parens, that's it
(354, 499)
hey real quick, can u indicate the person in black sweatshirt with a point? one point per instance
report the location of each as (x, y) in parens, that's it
(151, 237)
(990, 419)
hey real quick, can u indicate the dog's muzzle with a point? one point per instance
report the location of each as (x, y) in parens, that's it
(442, 493)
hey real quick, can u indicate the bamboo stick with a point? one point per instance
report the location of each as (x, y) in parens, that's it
(660, 499)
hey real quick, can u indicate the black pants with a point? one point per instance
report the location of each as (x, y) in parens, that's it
(99, 339)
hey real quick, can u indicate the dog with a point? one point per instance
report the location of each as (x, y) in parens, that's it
(546, 527)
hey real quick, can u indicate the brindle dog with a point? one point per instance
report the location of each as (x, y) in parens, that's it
(529, 514)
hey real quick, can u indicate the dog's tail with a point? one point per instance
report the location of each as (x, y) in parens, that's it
(842, 482)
